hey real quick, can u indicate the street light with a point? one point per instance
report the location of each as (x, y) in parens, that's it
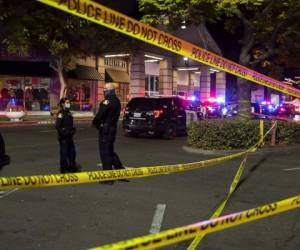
(183, 25)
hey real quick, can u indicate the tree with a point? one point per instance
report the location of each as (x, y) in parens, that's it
(28, 26)
(262, 27)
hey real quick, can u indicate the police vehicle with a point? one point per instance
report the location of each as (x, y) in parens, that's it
(163, 116)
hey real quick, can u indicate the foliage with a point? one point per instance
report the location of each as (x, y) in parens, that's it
(237, 134)
(288, 133)
(267, 32)
(268, 20)
(28, 25)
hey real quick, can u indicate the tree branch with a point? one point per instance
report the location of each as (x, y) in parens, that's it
(271, 45)
(53, 67)
(247, 40)
(262, 13)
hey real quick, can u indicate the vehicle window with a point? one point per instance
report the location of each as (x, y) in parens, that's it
(177, 103)
(146, 103)
(164, 103)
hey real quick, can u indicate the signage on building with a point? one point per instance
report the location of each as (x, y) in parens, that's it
(115, 63)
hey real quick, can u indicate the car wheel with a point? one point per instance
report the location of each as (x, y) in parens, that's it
(170, 132)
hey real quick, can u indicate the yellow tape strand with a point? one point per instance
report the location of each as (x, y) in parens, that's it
(96, 176)
(109, 18)
(172, 236)
(183, 233)
(220, 209)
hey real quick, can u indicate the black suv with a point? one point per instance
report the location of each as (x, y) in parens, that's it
(163, 116)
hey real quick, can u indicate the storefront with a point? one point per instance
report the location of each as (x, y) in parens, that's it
(81, 87)
(152, 69)
(116, 71)
(25, 86)
(187, 81)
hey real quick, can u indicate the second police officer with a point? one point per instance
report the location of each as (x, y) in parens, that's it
(65, 130)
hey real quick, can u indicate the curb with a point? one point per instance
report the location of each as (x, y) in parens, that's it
(225, 152)
(45, 122)
(208, 152)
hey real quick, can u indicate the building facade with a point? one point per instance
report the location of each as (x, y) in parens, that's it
(35, 87)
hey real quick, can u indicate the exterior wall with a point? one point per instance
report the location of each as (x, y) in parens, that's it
(100, 84)
(175, 82)
(258, 94)
(166, 77)
(204, 83)
(87, 61)
(182, 78)
(137, 76)
(152, 68)
(221, 85)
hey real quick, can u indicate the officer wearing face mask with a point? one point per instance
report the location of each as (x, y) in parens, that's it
(65, 129)
(106, 121)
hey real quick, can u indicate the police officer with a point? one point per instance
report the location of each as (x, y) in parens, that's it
(106, 121)
(66, 131)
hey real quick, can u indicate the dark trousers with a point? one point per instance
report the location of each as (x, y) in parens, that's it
(67, 155)
(110, 160)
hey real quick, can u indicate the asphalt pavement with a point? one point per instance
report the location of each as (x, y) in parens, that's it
(88, 215)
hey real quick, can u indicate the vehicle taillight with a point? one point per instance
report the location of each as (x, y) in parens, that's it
(282, 110)
(126, 111)
(157, 113)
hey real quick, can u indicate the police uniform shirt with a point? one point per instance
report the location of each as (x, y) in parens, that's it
(108, 113)
(64, 124)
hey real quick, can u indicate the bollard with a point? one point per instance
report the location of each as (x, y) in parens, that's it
(273, 139)
(261, 131)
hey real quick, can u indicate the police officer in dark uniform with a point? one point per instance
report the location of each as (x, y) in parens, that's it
(106, 121)
(65, 129)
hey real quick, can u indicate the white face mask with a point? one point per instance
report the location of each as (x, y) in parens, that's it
(68, 105)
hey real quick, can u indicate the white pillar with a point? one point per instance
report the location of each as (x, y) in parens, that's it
(100, 84)
(221, 85)
(137, 76)
(204, 83)
(166, 77)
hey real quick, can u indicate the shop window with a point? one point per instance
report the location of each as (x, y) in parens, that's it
(79, 94)
(151, 85)
(27, 93)
(123, 94)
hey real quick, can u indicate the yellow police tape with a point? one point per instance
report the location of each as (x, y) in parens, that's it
(96, 176)
(275, 118)
(172, 236)
(220, 209)
(234, 183)
(109, 18)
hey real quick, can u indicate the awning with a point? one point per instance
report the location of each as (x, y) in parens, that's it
(83, 72)
(116, 76)
(25, 68)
